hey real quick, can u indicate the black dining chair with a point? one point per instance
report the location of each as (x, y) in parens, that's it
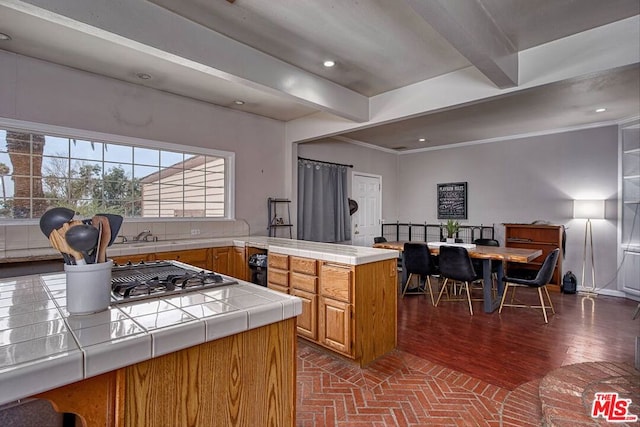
(540, 282)
(478, 265)
(418, 261)
(455, 265)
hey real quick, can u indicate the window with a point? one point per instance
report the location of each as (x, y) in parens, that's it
(134, 178)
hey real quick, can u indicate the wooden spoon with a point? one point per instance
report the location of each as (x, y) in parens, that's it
(102, 223)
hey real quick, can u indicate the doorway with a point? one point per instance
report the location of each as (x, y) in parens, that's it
(366, 190)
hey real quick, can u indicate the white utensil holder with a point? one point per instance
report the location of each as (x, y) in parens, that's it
(88, 287)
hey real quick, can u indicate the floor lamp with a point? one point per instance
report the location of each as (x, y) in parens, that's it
(589, 209)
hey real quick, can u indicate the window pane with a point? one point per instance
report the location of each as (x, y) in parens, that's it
(86, 149)
(118, 153)
(56, 146)
(170, 158)
(146, 156)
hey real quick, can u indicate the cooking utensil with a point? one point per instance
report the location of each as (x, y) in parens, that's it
(115, 221)
(102, 223)
(82, 238)
(57, 239)
(54, 218)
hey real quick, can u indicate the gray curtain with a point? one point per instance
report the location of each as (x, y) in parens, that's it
(323, 207)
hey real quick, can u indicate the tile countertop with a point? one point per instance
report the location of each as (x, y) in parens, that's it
(346, 254)
(43, 347)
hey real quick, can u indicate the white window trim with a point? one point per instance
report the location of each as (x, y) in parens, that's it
(66, 132)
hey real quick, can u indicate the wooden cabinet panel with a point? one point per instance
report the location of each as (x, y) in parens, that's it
(278, 261)
(336, 281)
(303, 282)
(308, 320)
(221, 260)
(334, 328)
(239, 268)
(535, 236)
(196, 257)
(278, 277)
(304, 265)
(283, 289)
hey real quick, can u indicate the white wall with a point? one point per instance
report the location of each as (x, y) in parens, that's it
(524, 180)
(42, 92)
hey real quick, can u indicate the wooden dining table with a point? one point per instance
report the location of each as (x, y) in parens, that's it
(484, 253)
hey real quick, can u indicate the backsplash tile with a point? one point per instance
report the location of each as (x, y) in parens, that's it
(21, 237)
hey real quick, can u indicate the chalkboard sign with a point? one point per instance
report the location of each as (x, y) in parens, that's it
(452, 200)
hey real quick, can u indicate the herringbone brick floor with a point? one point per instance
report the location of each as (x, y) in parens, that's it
(398, 389)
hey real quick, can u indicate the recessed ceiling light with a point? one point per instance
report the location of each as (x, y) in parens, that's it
(143, 76)
(600, 110)
(238, 102)
(5, 37)
(329, 63)
(422, 139)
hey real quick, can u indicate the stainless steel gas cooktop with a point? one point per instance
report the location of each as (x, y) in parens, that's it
(135, 282)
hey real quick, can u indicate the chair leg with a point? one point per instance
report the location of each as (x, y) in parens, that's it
(504, 296)
(428, 283)
(544, 310)
(549, 299)
(466, 286)
(444, 286)
(406, 285)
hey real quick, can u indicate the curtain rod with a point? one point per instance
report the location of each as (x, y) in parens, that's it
(328, 163)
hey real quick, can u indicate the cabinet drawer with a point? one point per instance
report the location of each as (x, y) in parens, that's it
(304, 282)
(304, 265)
(278, 288)
(335, 281)
(278, 261)
(278, 277)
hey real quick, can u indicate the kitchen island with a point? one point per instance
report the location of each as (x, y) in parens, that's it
(221, 356)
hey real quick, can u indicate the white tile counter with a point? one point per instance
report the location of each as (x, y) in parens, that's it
(43, 347)
(346, 254)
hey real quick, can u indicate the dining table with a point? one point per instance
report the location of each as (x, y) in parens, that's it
(484, 253)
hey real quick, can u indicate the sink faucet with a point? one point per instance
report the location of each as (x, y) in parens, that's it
(144, 236)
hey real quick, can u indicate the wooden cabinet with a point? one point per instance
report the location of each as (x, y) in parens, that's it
(345, 308)
(221, 260)
(239, 263)
(278, 272)
(196, 257)
(335, 306)
(303, 281)
(217, 383)
(535, 236)
(335, 325)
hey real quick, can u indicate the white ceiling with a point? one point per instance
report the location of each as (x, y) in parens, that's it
(269, 54)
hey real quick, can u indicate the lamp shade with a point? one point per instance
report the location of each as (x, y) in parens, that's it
(589, 209)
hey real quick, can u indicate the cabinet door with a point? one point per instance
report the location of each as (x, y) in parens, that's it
(308, 320)
(196, 257)
(221, 260)
(334, 328)
(239, 264)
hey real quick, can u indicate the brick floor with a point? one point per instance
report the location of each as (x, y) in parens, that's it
(401, 389)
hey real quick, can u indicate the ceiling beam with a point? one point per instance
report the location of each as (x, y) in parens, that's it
(151, 30)
(472, 31)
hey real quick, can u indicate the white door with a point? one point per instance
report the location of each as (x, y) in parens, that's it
(365, 223)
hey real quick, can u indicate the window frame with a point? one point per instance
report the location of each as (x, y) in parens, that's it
(107, 138)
